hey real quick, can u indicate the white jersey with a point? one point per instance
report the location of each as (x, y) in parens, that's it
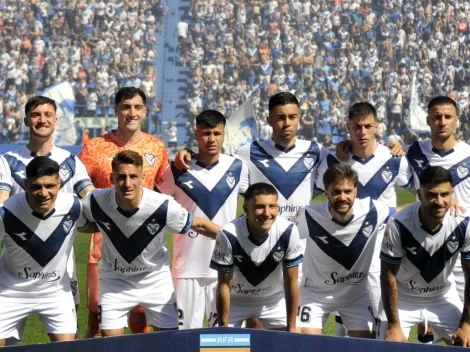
(338, 255)
(378, 175)
(73, 174)
(291, 171)
(133, 243)
(209, 192)
(256, 268)
(426, 259)
(36, 248)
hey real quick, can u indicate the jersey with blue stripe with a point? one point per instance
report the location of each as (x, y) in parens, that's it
(338, 255)
(291, 171)
(37, 248)
(73, 175)
(206, 191)
(426, 258)
(378, 175)
(134, 243)
(257, 269)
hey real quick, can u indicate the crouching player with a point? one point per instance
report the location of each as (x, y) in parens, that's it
(419, 251)
(341, 234)
(134, 266)
(257, 258)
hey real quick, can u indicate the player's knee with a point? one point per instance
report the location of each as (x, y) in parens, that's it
(254, 323)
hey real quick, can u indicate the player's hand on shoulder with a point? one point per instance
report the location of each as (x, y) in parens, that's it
(394, 333)
(461, 336)
(396, 149)
(343, 149)
(182, 159)
(456, 209)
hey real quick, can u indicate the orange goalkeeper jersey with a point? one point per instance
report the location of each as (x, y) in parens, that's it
(97, 154)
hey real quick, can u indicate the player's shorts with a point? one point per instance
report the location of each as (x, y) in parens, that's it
(72, 273)
(443, 315)
(356, 315)
(373, 279)
(56, 311)
(271, 312)
(118, 297)
(194, 297)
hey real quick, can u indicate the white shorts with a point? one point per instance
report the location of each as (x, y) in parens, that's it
(373, 279)
(56, 311)
(117, 298)
(194, 297)
(442, 315)
(72, 273)
(356, 315)
(270, 311)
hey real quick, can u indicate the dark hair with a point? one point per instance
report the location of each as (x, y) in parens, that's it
(210, 118)
(260, 188)
(362, 109)
(434, 175)
(36, 101)
(42, 166)
(282, 98)
(129, 93)
(128, 157)
(339, 172)
(441, 100)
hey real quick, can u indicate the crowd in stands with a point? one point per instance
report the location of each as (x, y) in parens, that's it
(329, 54)
(96, 45)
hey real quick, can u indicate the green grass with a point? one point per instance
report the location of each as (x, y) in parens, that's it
(35, 332)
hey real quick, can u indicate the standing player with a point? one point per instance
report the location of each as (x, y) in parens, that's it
(97, 154)
(134, 266)
(341, 234)
(208, 189)
(419, 250)
(378, 175)
(37, 229)
(248, 253)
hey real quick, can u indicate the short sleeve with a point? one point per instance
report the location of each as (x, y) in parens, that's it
(405, 174)
(244, 179)
(301, 223)
(319, 187)
(392, 252)
(82, 220)
(178, 220)
(243, 153)
(2, 227)
(465, 250)
(295, 251)
(384, 212)
(81, 179)
(86, 208)
(166, 185)
(222, 256)
(5, 175)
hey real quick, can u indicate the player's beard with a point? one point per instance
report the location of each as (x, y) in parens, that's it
(434, 210)
(342, 207)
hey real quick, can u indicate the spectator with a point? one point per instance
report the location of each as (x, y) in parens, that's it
(172, 134)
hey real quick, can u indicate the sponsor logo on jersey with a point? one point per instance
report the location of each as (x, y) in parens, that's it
(188, 184)
(29, 273)
(240, 288)
(452, 245)
(308, 162)
(230, 181)
(294, 209)
(239, 258)
(150, 158)
(21, 235)
(387, 176)
(68, 225)
(265, 162)
(367, 231)
(153, 228)
(352, 278)
(192, 234)
(413, 285)
(129, 269)
(412, 250)
(278, 255)
(462, 171)
(64, 174)
(21, 174)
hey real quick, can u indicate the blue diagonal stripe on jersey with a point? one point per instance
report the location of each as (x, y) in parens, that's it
(17, 169)
(67, 170)
(286, 182)
(41, 251)
(377, 184)
(345, 255)
(255, 274)
(129, 247)
(460, 171)
(430, 266)
(417, 159)
(211, 201)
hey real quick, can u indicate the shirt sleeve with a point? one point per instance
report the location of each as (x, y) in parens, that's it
(2, 228)
(80, 179)
(319, 187)
(86, 209)
(405, 174)
(82, 220)
(392, 252)
(166, 185)
(465, 250)
(222, 256)
(244, 179)
(5, 175)
(178, 220)
(301, 223)
(295, 250)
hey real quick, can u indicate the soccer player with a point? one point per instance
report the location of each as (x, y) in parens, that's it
(419, 250)
(208, 189)
(37, 229)
(341, 234)
(40, 117)
(257, 257)
(379, 173)
(134, 266)
(97, 154)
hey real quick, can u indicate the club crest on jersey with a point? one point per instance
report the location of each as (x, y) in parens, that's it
(387, 176)
(452, 245)
(64, 174)
(150, 158)
(278, 255)
(230, 181)
(367, 231)
(153, 228)
(462, 171)
(68, 225)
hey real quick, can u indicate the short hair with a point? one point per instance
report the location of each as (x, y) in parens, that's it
(129, 93)
(441, 100)
(210, 118)
(260, 188)
(361, 110)
(434, 175)
(42, 166)
(281, 99)
(36, 101)
(338, 172)
(128, 157)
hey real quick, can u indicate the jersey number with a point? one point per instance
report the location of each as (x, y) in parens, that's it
(212, 321)
(304, 314)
